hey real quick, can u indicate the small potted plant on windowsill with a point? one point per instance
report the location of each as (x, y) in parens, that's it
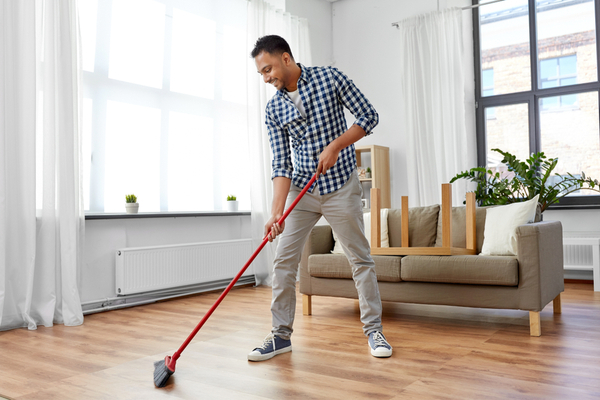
(131, 205)
(368, 173)
(232, 204)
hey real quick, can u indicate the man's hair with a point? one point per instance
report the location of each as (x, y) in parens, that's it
(271, 44)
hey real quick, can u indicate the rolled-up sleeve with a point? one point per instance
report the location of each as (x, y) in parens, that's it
(353, 99)
(280, 146)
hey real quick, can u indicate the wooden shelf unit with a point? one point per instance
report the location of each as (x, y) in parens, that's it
(380, 170)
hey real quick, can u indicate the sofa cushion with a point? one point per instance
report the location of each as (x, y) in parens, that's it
(459, 227)
(387, 268)
(422, 226)
(475, 270)
(501, 226)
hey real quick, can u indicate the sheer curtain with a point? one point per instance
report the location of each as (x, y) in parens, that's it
(264, 19)
(41, 206)
(432, 77)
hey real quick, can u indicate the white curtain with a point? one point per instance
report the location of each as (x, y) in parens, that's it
(264, 19)
(41, 206)
(432, 77)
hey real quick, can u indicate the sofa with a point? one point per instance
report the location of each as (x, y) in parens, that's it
(527, 281)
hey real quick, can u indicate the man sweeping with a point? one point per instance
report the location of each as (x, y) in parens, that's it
(306, 116)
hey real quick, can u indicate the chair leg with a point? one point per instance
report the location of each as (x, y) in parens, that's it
(306, 304)
(557, 305)
(535, 328)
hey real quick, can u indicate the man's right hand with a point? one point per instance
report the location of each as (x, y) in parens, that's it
(275, 228)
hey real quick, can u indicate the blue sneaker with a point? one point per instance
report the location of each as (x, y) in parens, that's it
(272, 346)
(379, 345)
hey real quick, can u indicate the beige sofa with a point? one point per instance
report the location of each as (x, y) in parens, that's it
(528, 281)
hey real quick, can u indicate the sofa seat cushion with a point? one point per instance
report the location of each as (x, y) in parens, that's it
(475, 270)
(387, 268)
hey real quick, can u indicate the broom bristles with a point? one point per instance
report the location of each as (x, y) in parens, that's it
(162, 373)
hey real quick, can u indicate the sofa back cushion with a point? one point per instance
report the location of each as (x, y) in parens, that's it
(459, 227)
(422, 226)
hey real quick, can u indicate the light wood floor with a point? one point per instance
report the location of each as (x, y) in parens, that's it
(439, 352)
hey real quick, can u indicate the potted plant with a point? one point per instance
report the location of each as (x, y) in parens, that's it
(232, 204)
(131, 205)
(524, 181)
(368, 173)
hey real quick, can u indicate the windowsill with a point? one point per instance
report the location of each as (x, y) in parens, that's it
(166, 214)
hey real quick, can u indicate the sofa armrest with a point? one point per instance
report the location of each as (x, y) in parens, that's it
(541, 269)
(320, 241)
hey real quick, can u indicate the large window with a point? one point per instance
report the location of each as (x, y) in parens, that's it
(164, 111)
(537, 85)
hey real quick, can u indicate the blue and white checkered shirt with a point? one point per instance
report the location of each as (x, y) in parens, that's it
(325, 92)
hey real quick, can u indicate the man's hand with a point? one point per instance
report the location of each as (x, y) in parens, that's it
(275, 228)
(327, 159)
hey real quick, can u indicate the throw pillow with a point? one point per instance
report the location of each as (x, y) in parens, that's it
(337, 248)
(500, 232)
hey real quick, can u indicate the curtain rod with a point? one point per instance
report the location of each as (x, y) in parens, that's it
(396, 24)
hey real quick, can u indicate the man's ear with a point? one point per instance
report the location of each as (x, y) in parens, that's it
(286, 58)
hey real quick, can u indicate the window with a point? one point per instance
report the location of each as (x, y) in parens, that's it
(537, 85)
(164, 111)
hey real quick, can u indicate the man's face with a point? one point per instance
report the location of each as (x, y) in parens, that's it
(273, 68)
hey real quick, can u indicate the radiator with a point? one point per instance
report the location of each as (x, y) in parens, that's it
(146, 269)
(583, 253)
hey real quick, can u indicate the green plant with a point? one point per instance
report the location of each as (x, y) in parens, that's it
(231, 198)
(368, 170)
(529, 178)
(130, 198)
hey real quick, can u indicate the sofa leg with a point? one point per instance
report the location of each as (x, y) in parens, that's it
(557, 305)
(535, 328)
(306, 304)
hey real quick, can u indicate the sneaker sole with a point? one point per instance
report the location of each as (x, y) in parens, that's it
(380, 353)
(263, 357)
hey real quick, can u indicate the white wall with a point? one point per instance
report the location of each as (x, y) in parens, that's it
(318, 14)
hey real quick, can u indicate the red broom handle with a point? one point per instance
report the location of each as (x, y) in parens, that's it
(220, 299)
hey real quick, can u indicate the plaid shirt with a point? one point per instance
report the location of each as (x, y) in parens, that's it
(325, 92)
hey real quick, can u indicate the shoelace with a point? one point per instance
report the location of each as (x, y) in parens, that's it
(268, 340)
(379, 340)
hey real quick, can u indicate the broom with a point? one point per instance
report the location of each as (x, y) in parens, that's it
(163, 369)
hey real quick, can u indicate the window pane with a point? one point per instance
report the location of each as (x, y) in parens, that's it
(87, 22)
(86, 150)
(233, 73)
(137, 41)
(190, 163)
(573, 137)
(508, 131)
(193, 55)
(132, 156)
(504, 28)
(566, 31)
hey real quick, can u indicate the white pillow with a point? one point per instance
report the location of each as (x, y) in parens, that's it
(337, 249)
(500, 232)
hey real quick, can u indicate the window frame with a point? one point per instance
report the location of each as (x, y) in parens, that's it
(531, 97)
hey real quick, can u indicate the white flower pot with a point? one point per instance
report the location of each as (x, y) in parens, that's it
(232, 205)
(131, 208)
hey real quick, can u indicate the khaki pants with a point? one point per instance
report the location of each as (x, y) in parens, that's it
(343, 211)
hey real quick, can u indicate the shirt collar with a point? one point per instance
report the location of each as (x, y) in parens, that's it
(304, 76)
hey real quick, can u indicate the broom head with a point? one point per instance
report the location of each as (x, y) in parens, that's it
(163, 369)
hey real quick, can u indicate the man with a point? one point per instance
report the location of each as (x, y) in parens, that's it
(307, 113)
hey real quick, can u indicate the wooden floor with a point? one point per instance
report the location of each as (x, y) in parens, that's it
(439, 353)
